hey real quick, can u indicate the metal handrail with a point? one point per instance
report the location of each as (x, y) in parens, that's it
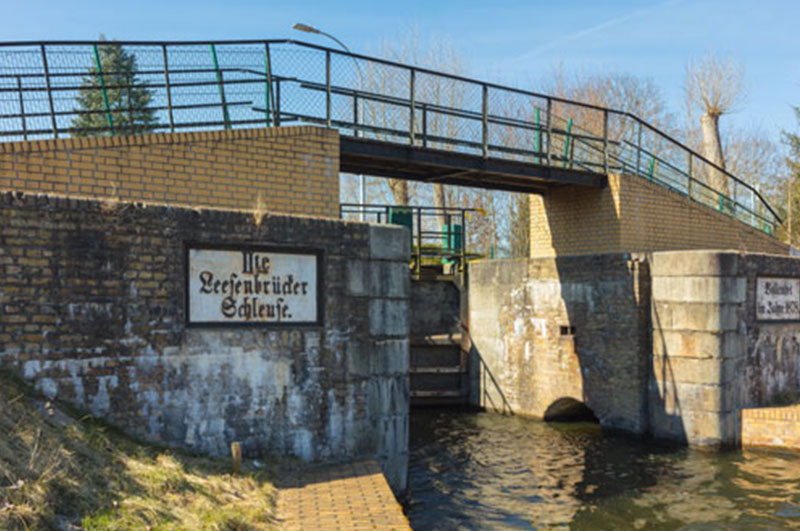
(438, 244)
(599, 152)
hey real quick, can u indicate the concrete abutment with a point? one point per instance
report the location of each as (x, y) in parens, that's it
(666, 344)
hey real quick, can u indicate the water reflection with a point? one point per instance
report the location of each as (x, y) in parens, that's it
(487, 471)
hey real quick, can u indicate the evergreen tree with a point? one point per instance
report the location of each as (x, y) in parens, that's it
(128, 98)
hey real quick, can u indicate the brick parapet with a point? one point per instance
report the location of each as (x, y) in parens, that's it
(771, 426)
(634, 215)
(287, 170)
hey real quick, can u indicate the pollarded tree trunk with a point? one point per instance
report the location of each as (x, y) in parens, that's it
(399, 188)
(712, 150)
(439, 201)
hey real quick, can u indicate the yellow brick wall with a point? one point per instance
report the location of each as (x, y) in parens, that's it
(290, 170)
(634, 215)
(771, 426)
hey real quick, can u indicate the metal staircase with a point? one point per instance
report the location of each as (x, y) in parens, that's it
(439, 370)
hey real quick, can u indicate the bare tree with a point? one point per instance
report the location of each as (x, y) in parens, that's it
(636, 95)
(385, 80)
(715, 86)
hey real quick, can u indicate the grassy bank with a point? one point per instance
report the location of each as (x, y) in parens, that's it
(61, 471)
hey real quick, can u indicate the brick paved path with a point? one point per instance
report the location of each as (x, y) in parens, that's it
(349, 496)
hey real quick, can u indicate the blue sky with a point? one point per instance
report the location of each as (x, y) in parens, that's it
(516, 42)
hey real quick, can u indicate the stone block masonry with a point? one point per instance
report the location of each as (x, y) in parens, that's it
(547, 329)
(698, 304)
(668, 344)
(92, 311)
(292, 170)
(712, 356)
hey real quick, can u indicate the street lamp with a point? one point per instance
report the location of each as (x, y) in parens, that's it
(362, 185)
(309, 29)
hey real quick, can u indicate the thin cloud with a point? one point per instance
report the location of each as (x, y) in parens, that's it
(598, 28)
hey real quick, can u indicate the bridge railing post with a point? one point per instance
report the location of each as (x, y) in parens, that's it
(49, 91)
(277, 114)
(462, 262)
(22, 108)
(168, 89)
(412, 105)
(549, 131)
(639, 149)
(485, 119)
(424, 125)
(328, 88)
(355, 116)
(418, 261)
(605, 141)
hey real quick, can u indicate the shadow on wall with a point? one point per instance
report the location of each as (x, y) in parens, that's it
(545, 329)
(664, 404)
(603, 310)
(491, 392)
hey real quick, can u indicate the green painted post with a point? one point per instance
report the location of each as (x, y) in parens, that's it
(566, 143)
(538, 137)
(226, 118)
(652, 167)
(721, 203)
(103, 88)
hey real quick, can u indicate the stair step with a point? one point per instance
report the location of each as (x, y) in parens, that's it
(441, 277)
(437, 370)
(437, 339)
(438, 394)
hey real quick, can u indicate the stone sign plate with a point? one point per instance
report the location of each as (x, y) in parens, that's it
(777, 299)
(251, 285)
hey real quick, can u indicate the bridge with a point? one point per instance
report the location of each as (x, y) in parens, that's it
(395, 120)
(647, 303)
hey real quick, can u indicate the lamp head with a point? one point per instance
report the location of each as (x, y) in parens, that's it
(304, 27)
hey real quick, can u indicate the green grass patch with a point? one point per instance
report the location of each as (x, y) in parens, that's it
(58, 469)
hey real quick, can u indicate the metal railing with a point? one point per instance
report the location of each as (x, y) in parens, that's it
(439, 235)
(235, 84)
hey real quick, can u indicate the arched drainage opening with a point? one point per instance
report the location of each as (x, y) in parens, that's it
(569, 410)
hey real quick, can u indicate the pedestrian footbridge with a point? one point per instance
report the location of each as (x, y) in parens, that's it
(395, 120)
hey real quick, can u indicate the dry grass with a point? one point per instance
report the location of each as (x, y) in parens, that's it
(59, 472)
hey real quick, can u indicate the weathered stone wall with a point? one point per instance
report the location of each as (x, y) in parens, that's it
(711, 356)
(546, 329)
(772, 349)
(697, 313)
(667, 343)
(92, 312)
(633, 215)
(435, 308)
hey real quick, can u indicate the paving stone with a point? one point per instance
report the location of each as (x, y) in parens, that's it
(346, 496)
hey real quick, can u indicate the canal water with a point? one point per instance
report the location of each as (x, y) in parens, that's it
(489, 471)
